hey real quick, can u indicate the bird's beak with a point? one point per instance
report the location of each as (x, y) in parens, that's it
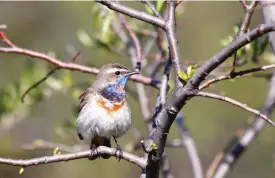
(131, 73)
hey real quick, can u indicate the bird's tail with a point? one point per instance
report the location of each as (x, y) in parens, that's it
(101, 141)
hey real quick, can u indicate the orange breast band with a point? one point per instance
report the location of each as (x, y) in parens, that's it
(109, 109)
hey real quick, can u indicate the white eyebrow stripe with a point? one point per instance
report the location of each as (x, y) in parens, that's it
(113, 70)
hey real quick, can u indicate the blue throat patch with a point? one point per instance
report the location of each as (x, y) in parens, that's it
(115, 92)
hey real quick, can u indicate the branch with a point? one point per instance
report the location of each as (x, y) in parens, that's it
(190, 146)
(245, 23)
(236, 103)
(181, 95)
(134, 52)
(65, 65)
(134, 13)
(165, 167)
(72, 156)
(235, 75)
(136, 43)
(152, 7)
(226, 52)
(238, 144)
(172, 41)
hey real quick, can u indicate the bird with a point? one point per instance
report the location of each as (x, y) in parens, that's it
(103, 111)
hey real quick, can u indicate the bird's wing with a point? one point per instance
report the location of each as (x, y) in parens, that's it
(83, 98)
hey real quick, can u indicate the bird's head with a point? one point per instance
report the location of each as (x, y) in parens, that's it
(111, 81)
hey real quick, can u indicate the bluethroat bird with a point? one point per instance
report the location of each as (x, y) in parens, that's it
(103, 108)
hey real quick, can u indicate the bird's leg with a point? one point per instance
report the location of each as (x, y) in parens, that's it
(119, 152)
(94, 152)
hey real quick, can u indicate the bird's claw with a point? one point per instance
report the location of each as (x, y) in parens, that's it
(119, 153)
(93, 154)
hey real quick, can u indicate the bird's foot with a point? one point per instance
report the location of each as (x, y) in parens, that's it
(119, 153)
(94, 153)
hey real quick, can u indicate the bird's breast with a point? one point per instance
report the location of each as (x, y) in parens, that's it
(110, 107)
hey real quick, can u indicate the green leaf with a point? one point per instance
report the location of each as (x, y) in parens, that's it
(56, 150)
(191, 70)
(153, 147)
(183, 76)
(21, 171)
(236, 29)
(52, 54)
(263, 46)
(148, 10)
(38, 143)
(67, 78)
(226, 41)
(84, 38)
(106, 29)
(159, 5)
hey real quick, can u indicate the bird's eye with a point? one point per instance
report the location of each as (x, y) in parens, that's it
(117, 72)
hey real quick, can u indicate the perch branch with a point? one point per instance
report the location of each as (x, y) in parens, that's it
(72, 156)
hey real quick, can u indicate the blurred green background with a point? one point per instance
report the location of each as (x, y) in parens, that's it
(51, 26)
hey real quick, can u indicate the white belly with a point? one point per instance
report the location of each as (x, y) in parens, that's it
(94, 120)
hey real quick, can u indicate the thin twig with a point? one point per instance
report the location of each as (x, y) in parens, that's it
(236, 103)
(165, 167)
(190, 146)
(135, 41)
(72, 156)
(153, 8)
(235, 75)
(48, 74)
(37, 83)
(172, 41)
(245, 23)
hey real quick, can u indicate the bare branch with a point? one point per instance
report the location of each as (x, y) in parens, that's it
(190, 146)
(152, 7)
(66, 65)
(165, 167)
(172, 40)
(242, 139)
(245, 23)
(136, 43)
(48, 74)
(72, 156)
(236, 103)
(235, 75)
(134, 13)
